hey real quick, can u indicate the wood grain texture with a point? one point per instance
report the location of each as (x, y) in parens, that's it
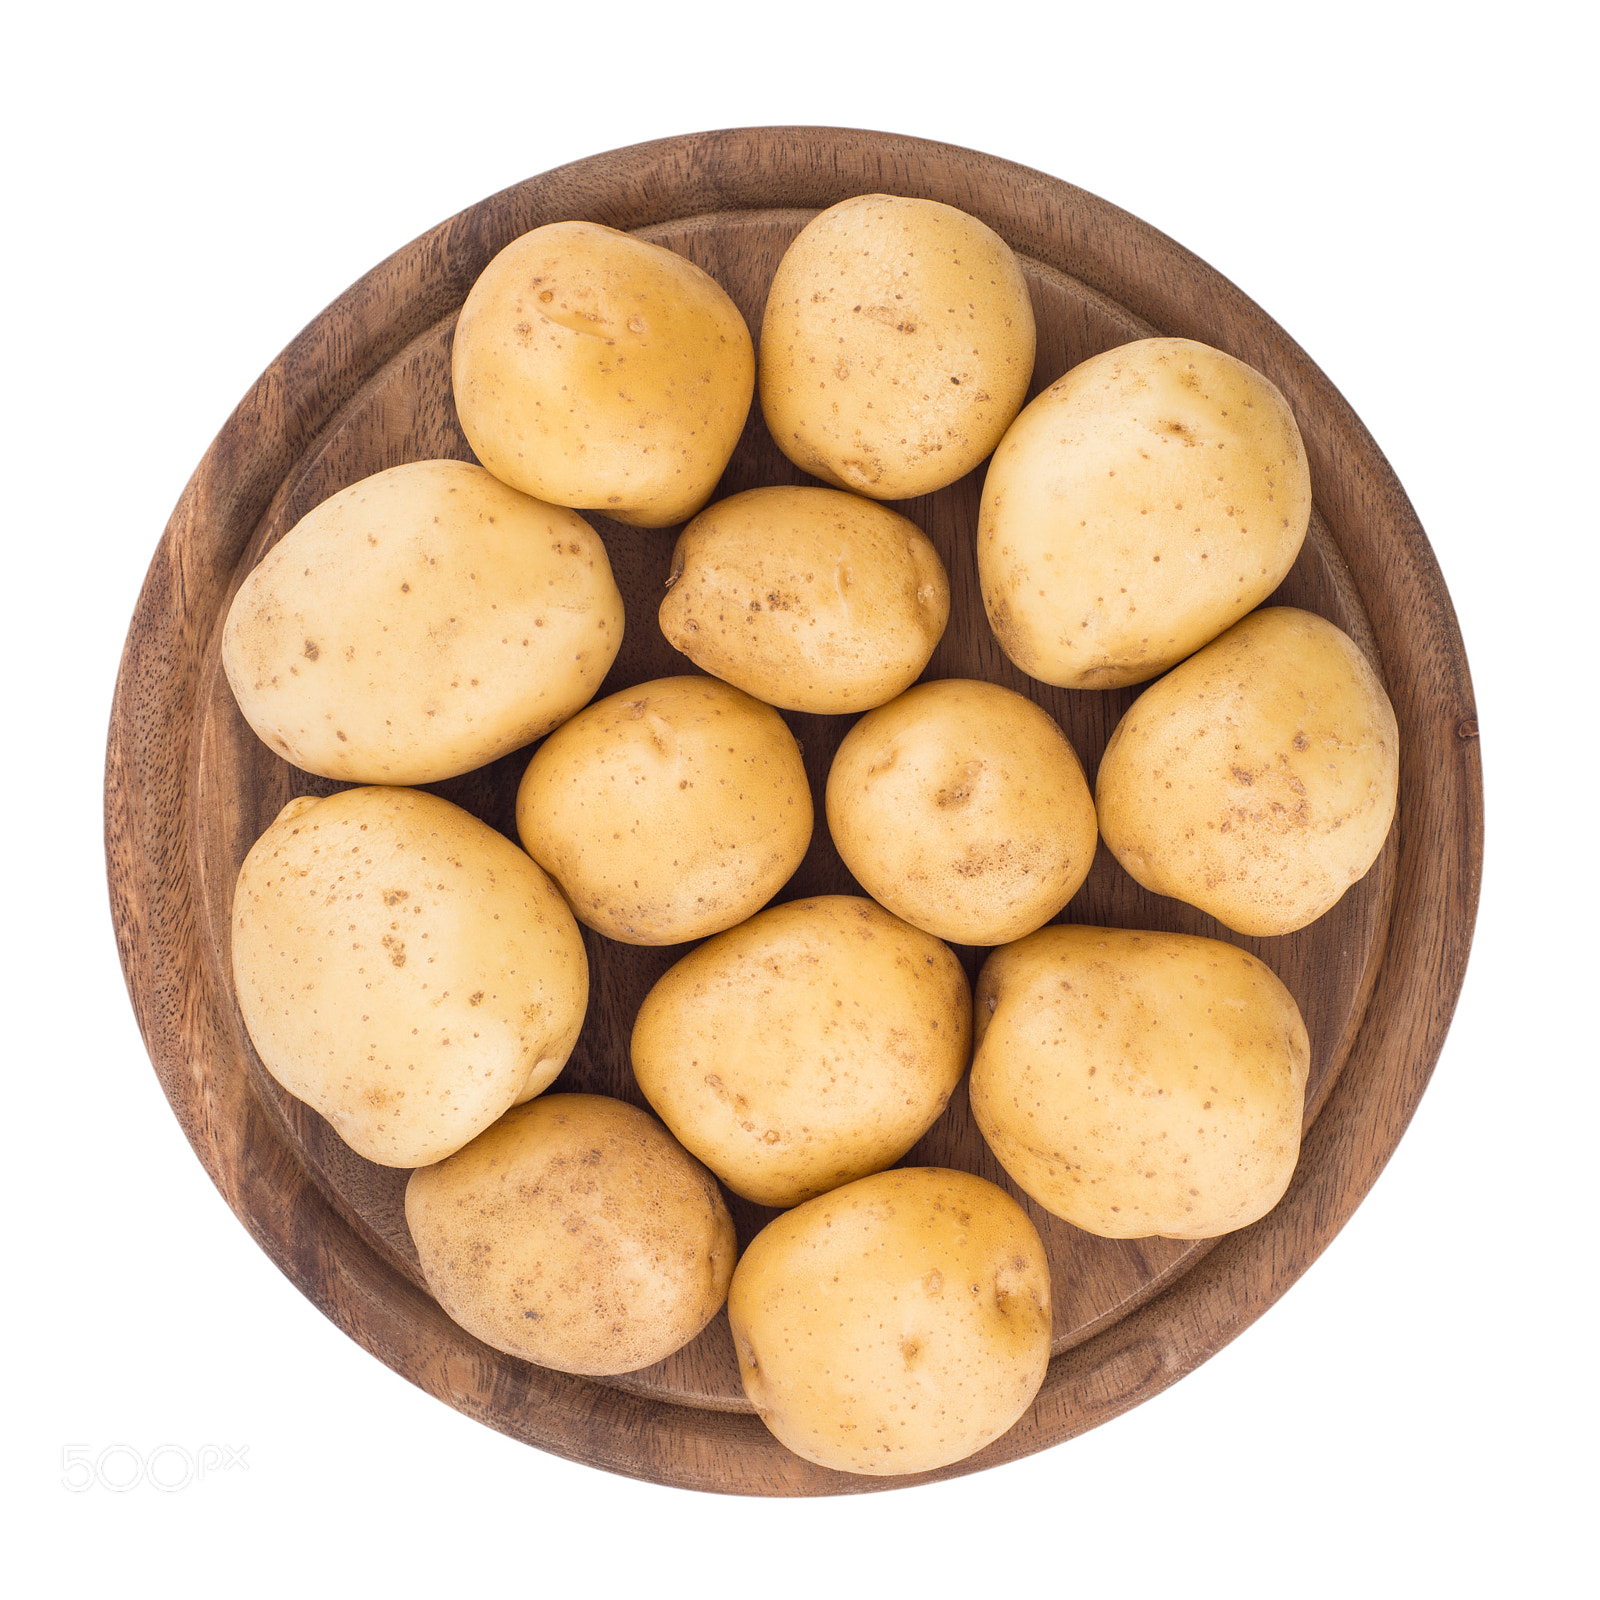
(366, 386)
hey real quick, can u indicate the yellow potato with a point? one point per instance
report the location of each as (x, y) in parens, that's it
(421, 623)
(1139, 506)
(404, 969)
(575, 1233)
(962, 808)
(808, 599)
(809, 1046)
(669, 811)
(1258, 780)
(895, 1325)
(897, 346)
(594, 370)
(1140, 1083)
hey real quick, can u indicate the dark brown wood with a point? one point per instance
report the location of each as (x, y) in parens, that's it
(366, 386)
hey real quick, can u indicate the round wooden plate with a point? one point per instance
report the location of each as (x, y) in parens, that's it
(367, 386)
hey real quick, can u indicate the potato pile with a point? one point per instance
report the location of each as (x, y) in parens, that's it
(420, 980)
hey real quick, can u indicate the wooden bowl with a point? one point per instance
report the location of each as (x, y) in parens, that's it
(367, 386)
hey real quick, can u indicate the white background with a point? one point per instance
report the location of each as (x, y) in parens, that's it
(1409, 191)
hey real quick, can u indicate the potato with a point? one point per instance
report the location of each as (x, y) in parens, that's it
(594, 370)
(896, 347)
(1140, 1083)
(1258, 780)
(809, 1046)
(404, 969)
(808, 599)
(669, 811)
(895, 1325)
(576, 1233)
(962, 808)
(421, 623)
(1139, 506)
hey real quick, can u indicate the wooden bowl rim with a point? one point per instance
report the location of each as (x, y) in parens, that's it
(150, 763)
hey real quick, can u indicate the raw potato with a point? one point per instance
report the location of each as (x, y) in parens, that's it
(808, 599)
(404, 969)
(962, 807)
(895, 1325)
(1140, 1083)
(594, 370)
(576, 1233)
(421, 623)
(669, 811)
(1258, 780)
(810, 1046)
(1139, 506)
(897, 346)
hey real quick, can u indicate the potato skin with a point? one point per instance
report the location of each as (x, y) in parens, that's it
(576, 1233)
(1140, 1084)
(1144, 502)
(419, 624)
(810, 1046)
(809, 599)
(1258, 780)
(404, 969)
(963, 808)
(895, 1325)
(668, 811)
(896, 347)
(594, 370)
